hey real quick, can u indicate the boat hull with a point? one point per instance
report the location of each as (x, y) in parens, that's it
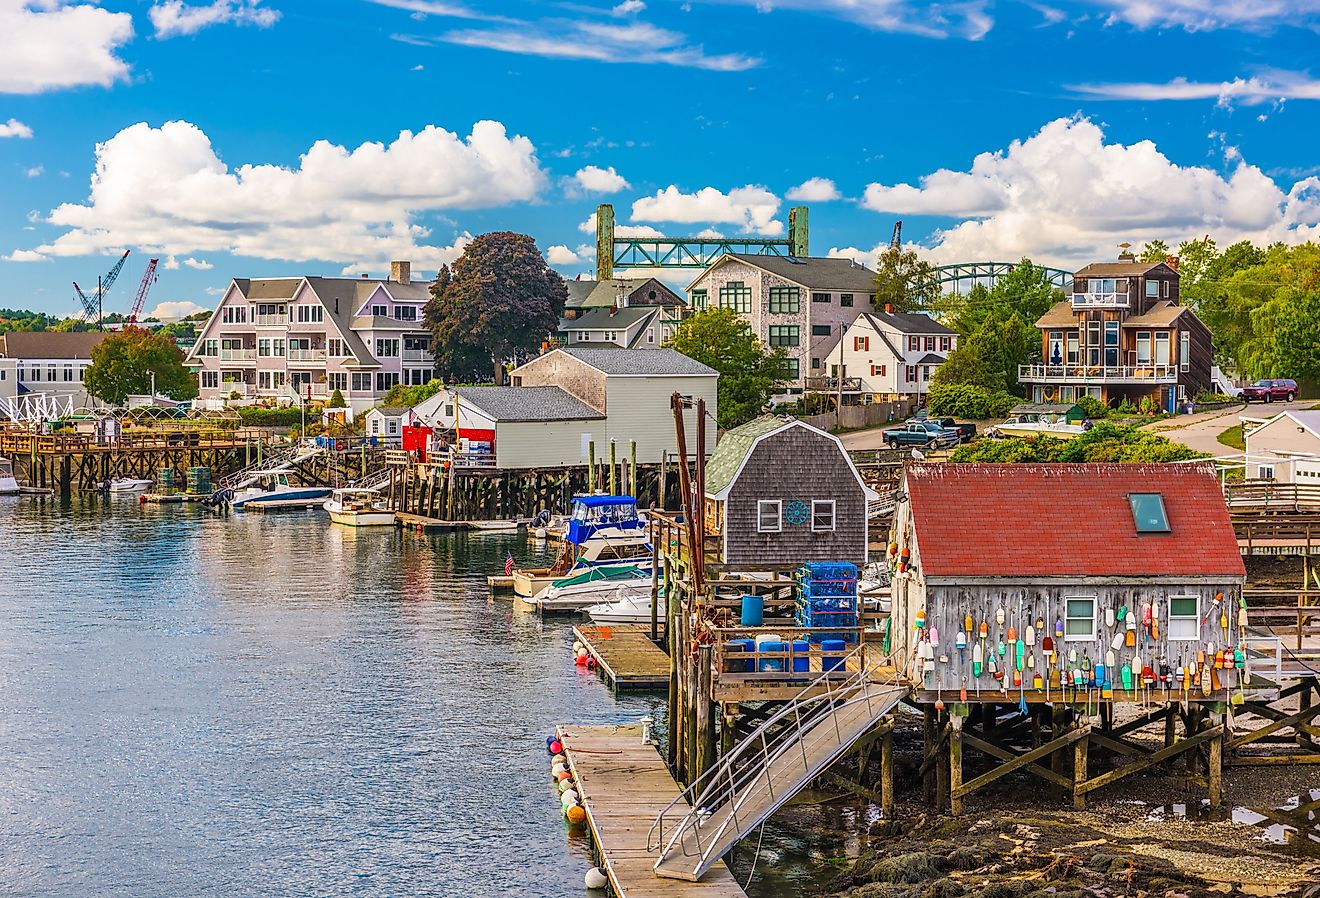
(363, 518)
(301, 498)
(576, 598)
(129, 486)
(9, 486)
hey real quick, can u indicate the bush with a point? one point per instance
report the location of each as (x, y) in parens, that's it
(253, 416)
(1206, 397)
(1105, 442)
(969, 401)
(1094, 408)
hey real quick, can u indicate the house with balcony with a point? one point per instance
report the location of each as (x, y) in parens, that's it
(282, 340)
(1123, 334)
(801, 304)
(47, 366)
(887, 356)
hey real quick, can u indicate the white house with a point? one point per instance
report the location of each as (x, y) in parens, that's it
(633, 327)
(890, 355)
(48, 368)
(1286, 448)
(515, 427)
(386, 424)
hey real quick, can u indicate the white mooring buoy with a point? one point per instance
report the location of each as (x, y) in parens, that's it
(596, 879)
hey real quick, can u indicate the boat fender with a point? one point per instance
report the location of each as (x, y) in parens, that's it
(553, 745)
(575, 814)
(570, 796)
(595, 879)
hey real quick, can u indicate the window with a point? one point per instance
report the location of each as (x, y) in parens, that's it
(234, 314)
(1162, 348)
(1164, 288)
(68, 374)
(820, 297)
(1074, 351)
(36, 373)
(736, 295)
(699, 300)
(308, 314)
(925, 372)
(815, 363)
(784, 335)
(946, 344)
(1148, 512)
(210, 347)
(910, 375)
(386, 379)
(1184, 351)
(877, 370)
(1143, 347)
(334, 348)
(386, 348)
(1111, 344)
(1055, 356)
(820, 330)
(263, 347)
(405, 313)
(914, 344)
(768, 516)
(380, 311)
(278, 346)
(930, 344)
(1265, 472)
(785, 299)
(210, 380)
(1184, 618)
(394, 425)
(1079, 618)
(362, 382)
(861, 344)
(846, 300)
(1152, 288)
(794, 369)
(822, 515)
(337, 380)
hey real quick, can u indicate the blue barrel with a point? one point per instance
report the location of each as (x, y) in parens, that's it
(753, 611)
(770, 644)
(735, 647)
(832, 653)
(801, 656)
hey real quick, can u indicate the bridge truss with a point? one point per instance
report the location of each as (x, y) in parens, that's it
(971, 273)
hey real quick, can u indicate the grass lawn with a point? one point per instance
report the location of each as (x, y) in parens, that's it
(1233, 438)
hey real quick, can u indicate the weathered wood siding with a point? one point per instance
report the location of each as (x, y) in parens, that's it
(795, 464)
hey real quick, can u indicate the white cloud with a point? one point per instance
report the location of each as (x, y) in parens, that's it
(751, 207)
(620, 230)
(51, 45)
(628, 8)
(967, 19)
(177, 308)
(860, 256)
(1063, 195)
(199, 264)
(1205, 15)
(561, 255)
(424, 8)
(172, 18)
(25, 255)
(166, 191)
(1266, 88)
(35, 171)
(14, 128)
(814, 190)
(593, 179)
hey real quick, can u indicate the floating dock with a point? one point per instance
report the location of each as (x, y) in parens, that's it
(423, 524)
(173, 498)
(625, 654)
(624, 784)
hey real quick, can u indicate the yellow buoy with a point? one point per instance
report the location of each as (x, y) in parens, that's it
(575, 814)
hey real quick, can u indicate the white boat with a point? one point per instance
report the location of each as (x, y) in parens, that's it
(601, 531)
(271, 489)
(358, 508)
(8, 484)
(628, 606)
(129, 485)
(590, 586)
(1060, 430)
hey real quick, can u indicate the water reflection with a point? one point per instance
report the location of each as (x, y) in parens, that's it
(1281, 825)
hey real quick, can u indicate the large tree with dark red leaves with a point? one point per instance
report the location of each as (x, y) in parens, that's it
(495, 306)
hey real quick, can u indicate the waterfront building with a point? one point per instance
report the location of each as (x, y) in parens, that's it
(801, 304)
(278, 340)
(888, 356)
(1123, 334)
(47, 364)
(1285, 448)
(514, 427)
(385, 424)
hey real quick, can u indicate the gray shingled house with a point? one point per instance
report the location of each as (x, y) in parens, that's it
(781, 492)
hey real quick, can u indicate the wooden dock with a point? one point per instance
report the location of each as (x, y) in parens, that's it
(625, 654)
(423, 524)
(623, 784)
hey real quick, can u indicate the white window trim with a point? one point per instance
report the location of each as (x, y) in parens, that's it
(761, 506)
(833, 522)
(1195, 618)
(1079, 637)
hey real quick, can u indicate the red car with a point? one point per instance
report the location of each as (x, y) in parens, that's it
(1270, 390)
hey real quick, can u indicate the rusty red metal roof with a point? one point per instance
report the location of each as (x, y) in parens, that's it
(1064, 520)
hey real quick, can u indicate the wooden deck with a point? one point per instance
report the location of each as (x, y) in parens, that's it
(625, 654)
(423, 524)
(623, 784)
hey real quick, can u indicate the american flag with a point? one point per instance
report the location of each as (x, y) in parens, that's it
(508, 565)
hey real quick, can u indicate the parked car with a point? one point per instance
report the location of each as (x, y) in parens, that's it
(965, 431)
(1270, 390)
(926, 433)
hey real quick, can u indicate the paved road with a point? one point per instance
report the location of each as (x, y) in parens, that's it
(1201, 431)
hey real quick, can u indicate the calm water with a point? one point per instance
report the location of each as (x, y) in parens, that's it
(198, 705)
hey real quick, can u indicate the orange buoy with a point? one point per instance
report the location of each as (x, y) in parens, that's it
(575, 814)
(564, 775)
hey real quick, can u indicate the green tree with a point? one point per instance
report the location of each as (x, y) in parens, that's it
(1105, 442)
(1194, 256)
(401, 396)
(497, 304)
(749, 373)
(336, 399)
(122, 365)
(904, 281)
(1154, 251)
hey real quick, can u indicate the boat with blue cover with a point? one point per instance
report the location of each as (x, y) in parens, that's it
(602, 531)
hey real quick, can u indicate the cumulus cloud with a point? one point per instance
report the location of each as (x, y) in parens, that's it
(967, 19)
(51, 45)
(814, 190)
(35, 171)
(199, 264)
(172, 18)
(1063, 195)
(14, 128)
(25, 255)
(561, 255)
(593, 179)
(176, 308)
(166, 191)
(620, 230)
(753, 208)
(1265, 88)
(1205, 15)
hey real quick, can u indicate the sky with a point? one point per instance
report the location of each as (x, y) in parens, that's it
(260, 138)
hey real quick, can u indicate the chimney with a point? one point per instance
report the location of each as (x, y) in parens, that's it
(1172, 262)
(400, 272)
(365, 275)
(889, 308)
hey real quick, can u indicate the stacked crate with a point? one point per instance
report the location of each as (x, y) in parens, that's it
(199, 481)
(827, 597)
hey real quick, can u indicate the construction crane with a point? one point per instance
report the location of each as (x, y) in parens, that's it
(148, 278)
(94, 306)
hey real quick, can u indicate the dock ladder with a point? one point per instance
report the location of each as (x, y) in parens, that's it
(769, 767)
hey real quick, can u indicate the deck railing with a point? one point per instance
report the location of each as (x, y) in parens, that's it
(1270, 495)
(1098, 374)
(55, 444)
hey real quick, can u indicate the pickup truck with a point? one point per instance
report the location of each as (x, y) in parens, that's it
(965, 431)
(922, 433)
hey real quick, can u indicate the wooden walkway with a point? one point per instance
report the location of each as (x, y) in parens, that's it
(625, 654)
(623, 784)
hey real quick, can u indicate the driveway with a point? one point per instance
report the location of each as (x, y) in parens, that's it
(1201, 431)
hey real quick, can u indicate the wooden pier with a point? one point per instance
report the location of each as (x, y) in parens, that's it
(625, 654)
(623, 784)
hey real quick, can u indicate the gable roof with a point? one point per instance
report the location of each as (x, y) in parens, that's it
(513, 404)
(1068, 520)
(737, 445)
(607, 318)
(1118, 269)
(578, 291)
(389, 411)
(606, 293)
(657, 362)
(1059, 315)
(813, 273)
(1308, 419)
(908, 323)
(1161, 314)
(49, 344)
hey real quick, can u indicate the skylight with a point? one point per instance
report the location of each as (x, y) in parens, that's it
(1148, 512)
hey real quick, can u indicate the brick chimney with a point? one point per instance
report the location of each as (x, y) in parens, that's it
(889, 308)
(401, 272)
(1172, 262)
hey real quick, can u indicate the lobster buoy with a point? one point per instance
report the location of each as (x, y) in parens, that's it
(575, 814)
(557, 768)
(566, 784)
(582, 658)
(555, 746)
(142, 500)
(570, 796)
(595, 879)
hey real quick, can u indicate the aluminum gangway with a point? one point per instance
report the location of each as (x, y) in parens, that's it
(277, 461)
(776, 761)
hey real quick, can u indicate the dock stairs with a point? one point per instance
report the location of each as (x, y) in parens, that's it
(276, 461)
(771, 765)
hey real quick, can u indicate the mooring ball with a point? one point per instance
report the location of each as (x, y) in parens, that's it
(570, 796)
(575, 814)
(596, 879)
(556, 747)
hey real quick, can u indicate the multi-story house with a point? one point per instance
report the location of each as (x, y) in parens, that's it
(630, 313)
(47, 367)
(1123, 335)
(890, 355)
(279, 339)
(801, 304)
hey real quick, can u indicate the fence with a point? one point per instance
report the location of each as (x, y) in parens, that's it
(860, 417)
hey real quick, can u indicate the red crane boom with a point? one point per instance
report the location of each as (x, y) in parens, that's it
(148, 278)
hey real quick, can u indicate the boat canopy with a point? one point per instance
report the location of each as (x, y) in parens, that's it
(592, 514)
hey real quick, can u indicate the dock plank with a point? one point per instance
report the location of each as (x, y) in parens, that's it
(624, 784)
(625, 654)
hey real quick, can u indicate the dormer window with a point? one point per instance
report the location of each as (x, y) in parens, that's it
(1148, 512)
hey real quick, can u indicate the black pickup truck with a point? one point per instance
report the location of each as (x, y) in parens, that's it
(965, 431)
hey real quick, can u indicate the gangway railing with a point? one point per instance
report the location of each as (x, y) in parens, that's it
(282, 460)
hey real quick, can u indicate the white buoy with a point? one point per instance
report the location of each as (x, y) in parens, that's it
(596, 879)
(578, 646)
(557, 768)
(559, 759)
(565, 785)
(570, 796)
(582, 653)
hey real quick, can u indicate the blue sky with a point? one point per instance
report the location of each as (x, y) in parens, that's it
(242, 138)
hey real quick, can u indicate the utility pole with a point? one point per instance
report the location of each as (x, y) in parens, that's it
(838, 401)
(100, 305)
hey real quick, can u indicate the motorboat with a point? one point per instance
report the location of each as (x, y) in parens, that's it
(601, 531)
(130, 485)
(271, 489)
(354, 507)
(589, 586)
(1025, 426)
(8, 484)
(628, 606)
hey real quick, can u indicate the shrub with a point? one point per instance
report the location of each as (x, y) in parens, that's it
(969, 401)
(1105, 442)
(1206, 397)
(253, 416)
(1094, 408)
